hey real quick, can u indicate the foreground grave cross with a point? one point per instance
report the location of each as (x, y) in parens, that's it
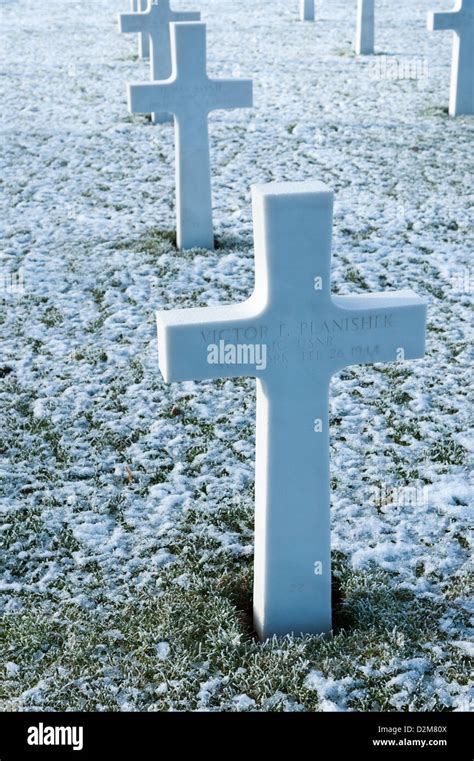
(461, 22)
(365, 32)
(190, 96)
(143, 40)
(307, 11)
(155, 23)
(292, 335)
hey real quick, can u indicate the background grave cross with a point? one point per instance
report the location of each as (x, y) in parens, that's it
(190, 95)
(155, 24)
(365, 31)
(143, 40)
(461, 21)
(307, 10)
(302, 335)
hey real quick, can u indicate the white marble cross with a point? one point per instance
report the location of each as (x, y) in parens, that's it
(461, 21)
(292, 335)
(307, 12)
(189, 94)
(365, 31)
(143, 39)
(155, 23)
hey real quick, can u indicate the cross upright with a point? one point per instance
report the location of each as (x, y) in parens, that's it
(307, 10)
(190, 95)
(137, 6)
(365, 30)
(461, 21)
(155, 24)
(292, 335)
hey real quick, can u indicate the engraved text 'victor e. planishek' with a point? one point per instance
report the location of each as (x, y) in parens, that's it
(334, 339)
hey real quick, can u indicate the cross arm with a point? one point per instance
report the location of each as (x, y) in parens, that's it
(441, 21)
(185, 16)
(150, 96)
(232, 93)
(381, 327)
(132, 22)
(185, 335)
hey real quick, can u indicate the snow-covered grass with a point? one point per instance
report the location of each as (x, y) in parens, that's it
(128, 504)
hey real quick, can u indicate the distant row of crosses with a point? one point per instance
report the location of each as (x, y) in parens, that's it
(460, 20)
(181, 90)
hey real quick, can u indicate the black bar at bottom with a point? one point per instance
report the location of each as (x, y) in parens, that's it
(151, 735)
